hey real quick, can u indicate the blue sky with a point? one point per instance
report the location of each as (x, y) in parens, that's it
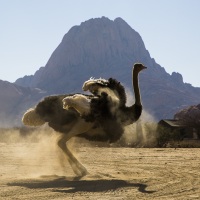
(32, 29)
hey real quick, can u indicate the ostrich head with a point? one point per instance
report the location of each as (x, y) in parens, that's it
(139, 67)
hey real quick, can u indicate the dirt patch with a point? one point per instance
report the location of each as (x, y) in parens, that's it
(28, 171)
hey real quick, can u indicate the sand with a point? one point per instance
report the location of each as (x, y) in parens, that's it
(38, 170)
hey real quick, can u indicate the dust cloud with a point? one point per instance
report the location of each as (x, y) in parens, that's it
(142, 133)
(35, 151)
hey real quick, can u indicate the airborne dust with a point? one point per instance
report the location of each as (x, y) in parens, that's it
(34, 151)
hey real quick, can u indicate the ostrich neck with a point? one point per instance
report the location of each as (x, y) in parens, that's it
(136, 87)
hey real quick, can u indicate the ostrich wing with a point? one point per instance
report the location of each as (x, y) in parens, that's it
(80, 102)
(113, 88)
(107, 96)
(50, 110)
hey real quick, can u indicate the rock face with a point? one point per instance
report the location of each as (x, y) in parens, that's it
(105, 48)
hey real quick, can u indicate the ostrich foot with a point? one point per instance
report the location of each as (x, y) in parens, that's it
(78, 169)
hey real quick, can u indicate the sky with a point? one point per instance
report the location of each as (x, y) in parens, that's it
(32, 29)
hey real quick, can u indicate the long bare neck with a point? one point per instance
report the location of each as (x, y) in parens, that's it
(136, 87)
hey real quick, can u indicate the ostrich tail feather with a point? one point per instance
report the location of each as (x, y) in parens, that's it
(31, 118)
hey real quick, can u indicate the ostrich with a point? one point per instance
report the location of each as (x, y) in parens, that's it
(100, 116)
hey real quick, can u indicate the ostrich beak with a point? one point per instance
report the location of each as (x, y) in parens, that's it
(144, 67)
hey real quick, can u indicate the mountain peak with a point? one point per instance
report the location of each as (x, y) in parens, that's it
(98, 19)
(119, 20)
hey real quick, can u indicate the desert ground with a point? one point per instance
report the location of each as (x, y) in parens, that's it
(36, 169)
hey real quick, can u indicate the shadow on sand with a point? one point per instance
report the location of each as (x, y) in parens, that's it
(69, 185)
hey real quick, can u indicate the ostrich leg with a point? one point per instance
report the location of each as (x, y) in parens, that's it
(77, 167)
(80, 127)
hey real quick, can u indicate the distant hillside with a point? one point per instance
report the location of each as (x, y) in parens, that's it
(105, 48)
(14, 100)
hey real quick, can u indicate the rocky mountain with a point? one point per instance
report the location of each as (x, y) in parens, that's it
(104, 48)
(98, 47)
